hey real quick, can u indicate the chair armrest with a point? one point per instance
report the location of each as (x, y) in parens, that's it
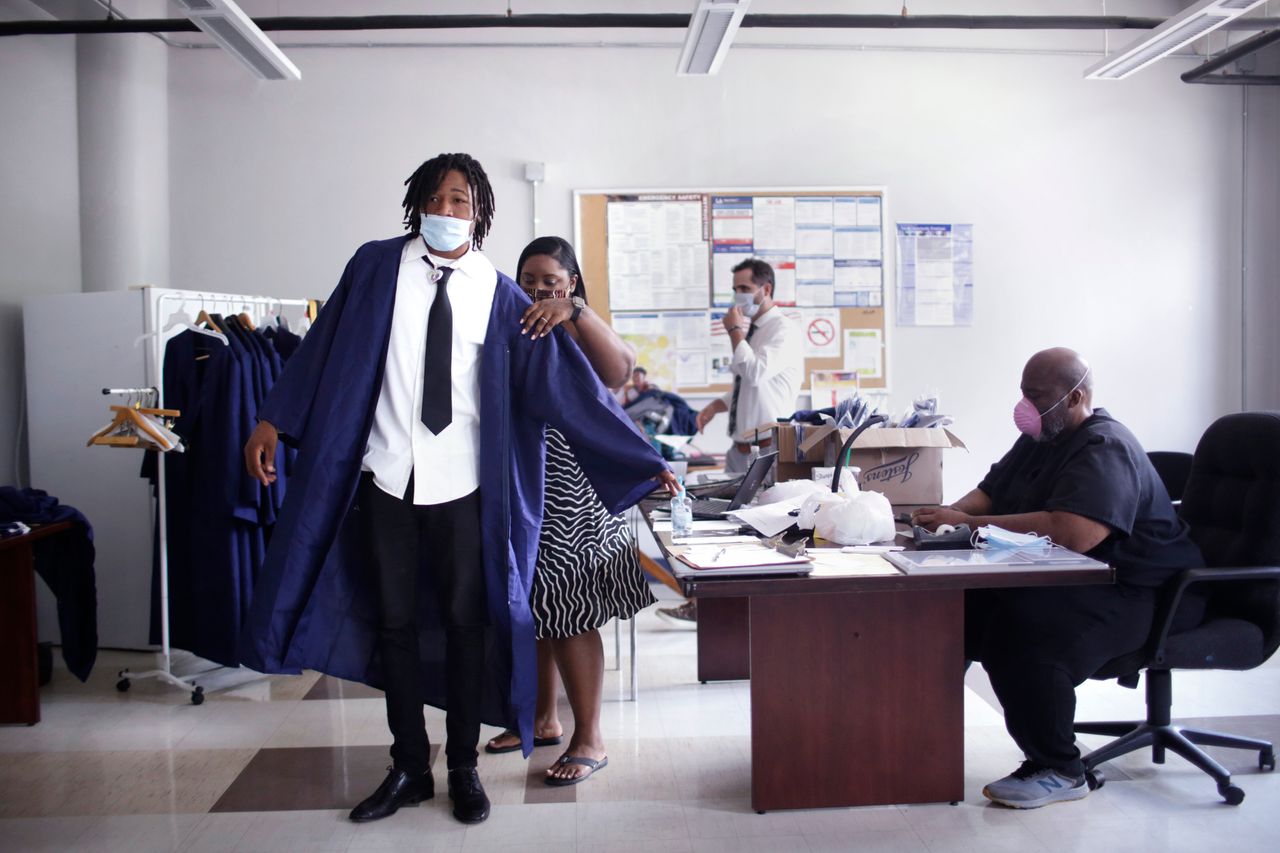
(1189, 577)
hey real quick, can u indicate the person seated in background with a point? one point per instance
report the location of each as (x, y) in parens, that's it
(639, 383)
(1081, 478)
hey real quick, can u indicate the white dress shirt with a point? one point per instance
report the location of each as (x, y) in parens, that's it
(448, 464)
(771, 365)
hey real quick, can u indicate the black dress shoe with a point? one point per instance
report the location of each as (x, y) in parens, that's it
(398, 789)
(470, 805)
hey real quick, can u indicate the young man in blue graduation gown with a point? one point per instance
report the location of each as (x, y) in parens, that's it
(404, 552)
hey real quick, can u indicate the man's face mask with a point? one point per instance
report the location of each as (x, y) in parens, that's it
(1033, 422)
(444, 233)
(746, 303)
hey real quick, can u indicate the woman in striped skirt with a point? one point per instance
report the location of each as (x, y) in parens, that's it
(587, 572)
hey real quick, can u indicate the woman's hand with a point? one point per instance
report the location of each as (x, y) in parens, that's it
(543, 316)
(260, 453)
(669, 482)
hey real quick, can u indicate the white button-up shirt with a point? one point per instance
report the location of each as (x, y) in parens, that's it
(448, 464)
(771, 365)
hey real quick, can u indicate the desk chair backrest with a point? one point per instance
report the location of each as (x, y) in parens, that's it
(1232, 503)
(1173, 468)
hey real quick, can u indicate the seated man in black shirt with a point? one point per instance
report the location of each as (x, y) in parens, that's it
(1080, 478)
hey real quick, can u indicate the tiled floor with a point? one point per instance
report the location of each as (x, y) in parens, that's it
(274, 764)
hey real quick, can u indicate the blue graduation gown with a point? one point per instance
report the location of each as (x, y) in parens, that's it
(314, 606)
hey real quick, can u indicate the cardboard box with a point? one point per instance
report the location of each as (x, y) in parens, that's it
(903, 464)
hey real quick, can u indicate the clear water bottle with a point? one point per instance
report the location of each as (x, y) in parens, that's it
(681, 514)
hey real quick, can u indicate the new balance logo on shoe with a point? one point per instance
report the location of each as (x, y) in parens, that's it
(1032, 786)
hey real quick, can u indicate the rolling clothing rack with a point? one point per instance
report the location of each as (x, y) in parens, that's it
(156, 315)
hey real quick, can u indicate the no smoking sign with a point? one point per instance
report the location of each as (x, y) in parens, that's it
(821, 332)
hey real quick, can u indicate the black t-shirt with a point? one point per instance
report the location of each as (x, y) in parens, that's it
(1099, 471)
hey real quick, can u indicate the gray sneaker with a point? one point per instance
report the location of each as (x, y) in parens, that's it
(1032, 786)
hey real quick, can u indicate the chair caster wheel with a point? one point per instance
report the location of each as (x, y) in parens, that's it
(1267, 760)
(1233, 795)
(1094, 779)
(123, 685)
(197, 696)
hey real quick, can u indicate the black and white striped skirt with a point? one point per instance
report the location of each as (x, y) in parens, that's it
(587, 572)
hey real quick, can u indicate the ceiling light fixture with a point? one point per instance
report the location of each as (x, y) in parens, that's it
(711, 30)
(1188, 25)
(228, 25)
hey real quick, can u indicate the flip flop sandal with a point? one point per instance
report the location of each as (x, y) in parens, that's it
(575, 759)
(537, 741)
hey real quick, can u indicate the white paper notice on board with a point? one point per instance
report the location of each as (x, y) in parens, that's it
(657, 254)
(774, 223)
(935, 274)
(821, 329)
(719, 370)
(691, 368)
(863, 352)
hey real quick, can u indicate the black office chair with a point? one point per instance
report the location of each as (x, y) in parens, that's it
(1232, 503)
(1174, 467)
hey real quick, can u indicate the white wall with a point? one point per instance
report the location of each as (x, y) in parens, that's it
(39, 199)
(1107, 215)
(1262, 241)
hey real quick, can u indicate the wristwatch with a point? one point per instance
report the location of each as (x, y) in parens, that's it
(578, 304)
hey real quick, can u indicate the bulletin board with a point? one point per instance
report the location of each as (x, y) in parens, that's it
(657, 265)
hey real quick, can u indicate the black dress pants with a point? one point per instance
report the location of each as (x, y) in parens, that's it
(1038, 644)
(438, 544)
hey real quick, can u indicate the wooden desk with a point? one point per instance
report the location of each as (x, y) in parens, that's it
(857, 683)
(19, 671)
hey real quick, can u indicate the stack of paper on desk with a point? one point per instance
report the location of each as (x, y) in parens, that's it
(738, 559)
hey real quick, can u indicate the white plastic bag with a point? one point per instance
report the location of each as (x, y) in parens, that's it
(790, 490)
(857, 519)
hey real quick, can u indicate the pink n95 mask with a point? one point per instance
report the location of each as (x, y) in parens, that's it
(1030, 420)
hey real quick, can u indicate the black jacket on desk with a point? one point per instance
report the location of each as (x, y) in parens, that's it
(1100, 472)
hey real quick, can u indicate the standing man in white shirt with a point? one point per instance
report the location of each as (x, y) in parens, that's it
(768, 363)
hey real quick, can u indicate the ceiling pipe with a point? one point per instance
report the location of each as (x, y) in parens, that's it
(1204, 73)
(614, 21)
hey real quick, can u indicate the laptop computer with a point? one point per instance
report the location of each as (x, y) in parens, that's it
(720, 507)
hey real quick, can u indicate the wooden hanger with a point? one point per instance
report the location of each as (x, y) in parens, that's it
(117, 433)
(130, 429)
(203, 317)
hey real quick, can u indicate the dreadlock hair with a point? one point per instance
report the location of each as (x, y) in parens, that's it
(426, 180)
(559, 250)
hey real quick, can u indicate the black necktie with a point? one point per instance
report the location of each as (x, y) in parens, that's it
(437, 369)
(737, 389)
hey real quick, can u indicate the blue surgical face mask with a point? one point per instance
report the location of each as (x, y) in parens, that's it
(444, 233)
(746, 304)
(991, 536)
